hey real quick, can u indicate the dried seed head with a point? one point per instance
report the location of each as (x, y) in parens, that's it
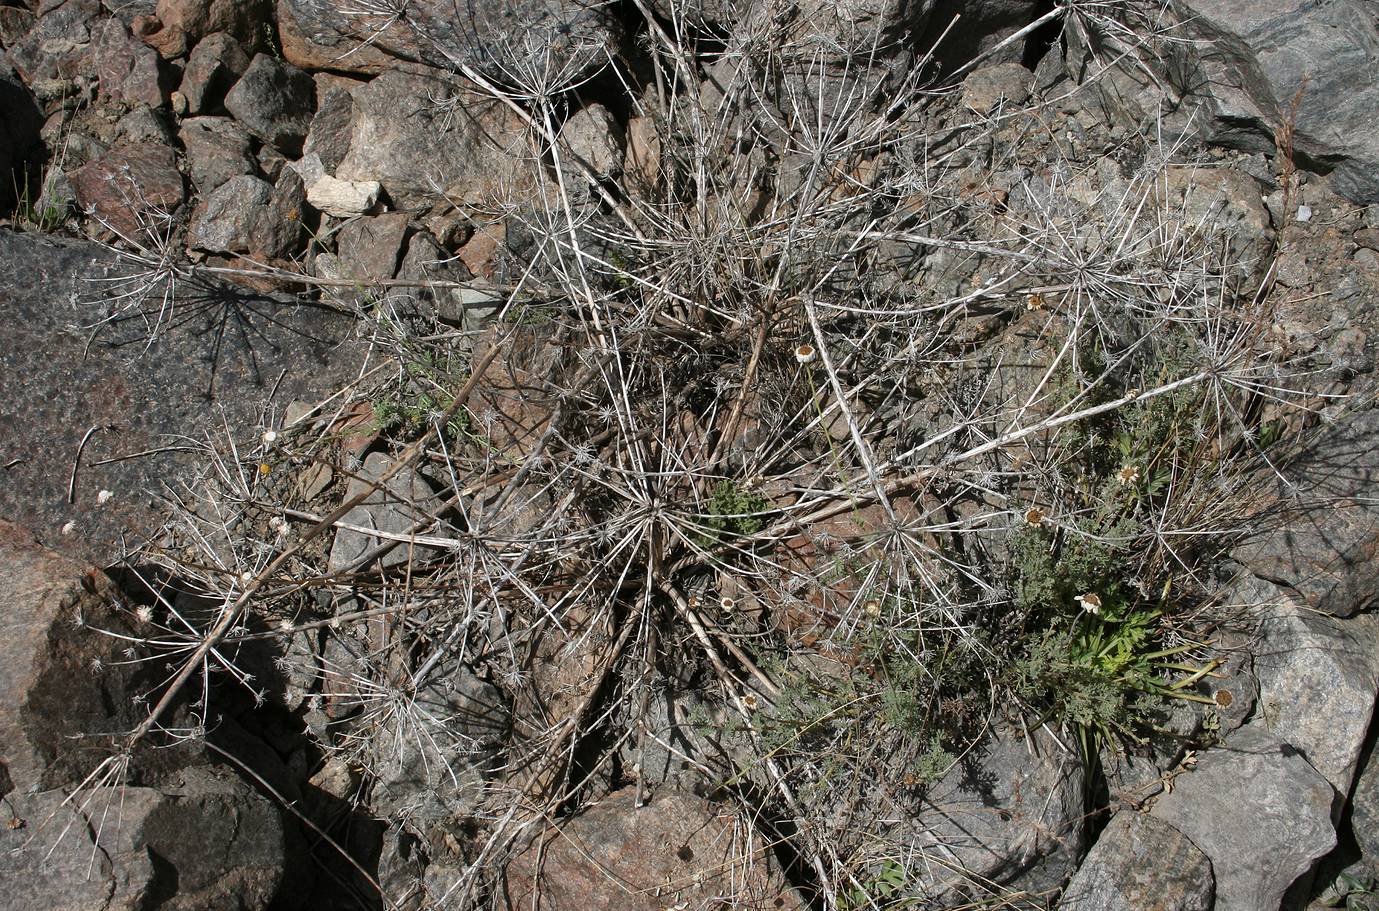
(1034, 302)
(1130, 474)
(1090, 602)
(144, 612)
(270, 437)
(806, 354)
(750, 702)
(103, 497)
(872, 608)
(727, 604)
(1034, 516)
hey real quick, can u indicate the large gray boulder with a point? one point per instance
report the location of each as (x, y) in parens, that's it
(1260, 813)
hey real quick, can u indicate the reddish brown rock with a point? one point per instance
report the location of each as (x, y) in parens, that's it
(178, 25)
(128, 70)
(677, 851)
(215, 64)
(131, 189)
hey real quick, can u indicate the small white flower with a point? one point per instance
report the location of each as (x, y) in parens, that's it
(144, 613)
(1090, 602)
(270, 437)
(872, 608)
(750, 702)
(806, 354)
(1034, 516)
(68, 528)
(104, 497)
(1128, 475)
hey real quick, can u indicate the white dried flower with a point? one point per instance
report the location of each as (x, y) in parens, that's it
(104, 497)
(144, 612)
(1128, 475)
(270, 437)
(1090, 602)
(806, 354)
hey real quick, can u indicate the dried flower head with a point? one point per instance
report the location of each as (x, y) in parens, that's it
(144, 612)
(1130, 474)
(750, 702)
(1090, 602)
(1034, 517)
(806, 354)
(269, 437)
(103, 497)
(1034, 302)
(727, 604)
(872, 608)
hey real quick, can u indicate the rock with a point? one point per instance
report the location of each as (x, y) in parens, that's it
(1317, 682)
(329, 136)
(206, 842)
(404, 501)
(15, 22)
(643, 157)
(1009, 813)
(217, 149)
(515, 400)
(595, 137)
(401, 137)
(132, 189)
(1364, 809)
(53, 58)
(343, 198)
(369, 248)
(54, 685)
(129, 10)
(676, 850)
(1260, 813)
(179, 24)
(215, 64)
(144, 124)
(1329, 556)
(981, 25)
(129, 71)
(1247, 66)
(425, 261)
(1004, 87)
(215, 365)
(277, 231)
(1141, 862)
(435, 753)
(502, 40)
(224, 221)
(274, 101)
(313, 47)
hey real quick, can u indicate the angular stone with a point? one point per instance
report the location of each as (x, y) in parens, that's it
(274, 101)
(369, 248)
(133, 188)
(277, 231)
(129, 71)
(678, 849)
(392, 508)
(312, 47)
(1004, 85)
(144, 124)
(1317, 681)
(208, 838)
(215, 64)
(179, 24)
(401, 137)
(343, 198)
(1141, 862)
(425, 261)
(329, 136)
(15, 22)
(217, 149)
(1258, 811)
(595, 137)
(53, 57)
(224, 221)
(571, 38)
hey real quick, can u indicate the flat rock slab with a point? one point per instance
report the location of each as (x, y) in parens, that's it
(1260, 813)
(221, 358)
(1141, 862)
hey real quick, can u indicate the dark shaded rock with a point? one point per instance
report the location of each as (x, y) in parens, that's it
(60, 683)
(563, 36)
(368, 248)
(217, 351)
(1141, 862)
(393, 508)
(678, 848)
(15, 22)
(1328, 553)
(129, 70)
(277, 231)
(402, 137)
(329, 136)
(1260, 813)
(206, 842)
(132, 189)
(217, 149)
(433, 757)
(20, 137)
(215, 64)
(274, 101)
(179, 24)
(1364, 809)
(425, 261)
(982, 24)
(224, 221)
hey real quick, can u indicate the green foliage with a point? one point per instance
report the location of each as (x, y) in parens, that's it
(418, 400)
(884, 887)
(733, 513)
